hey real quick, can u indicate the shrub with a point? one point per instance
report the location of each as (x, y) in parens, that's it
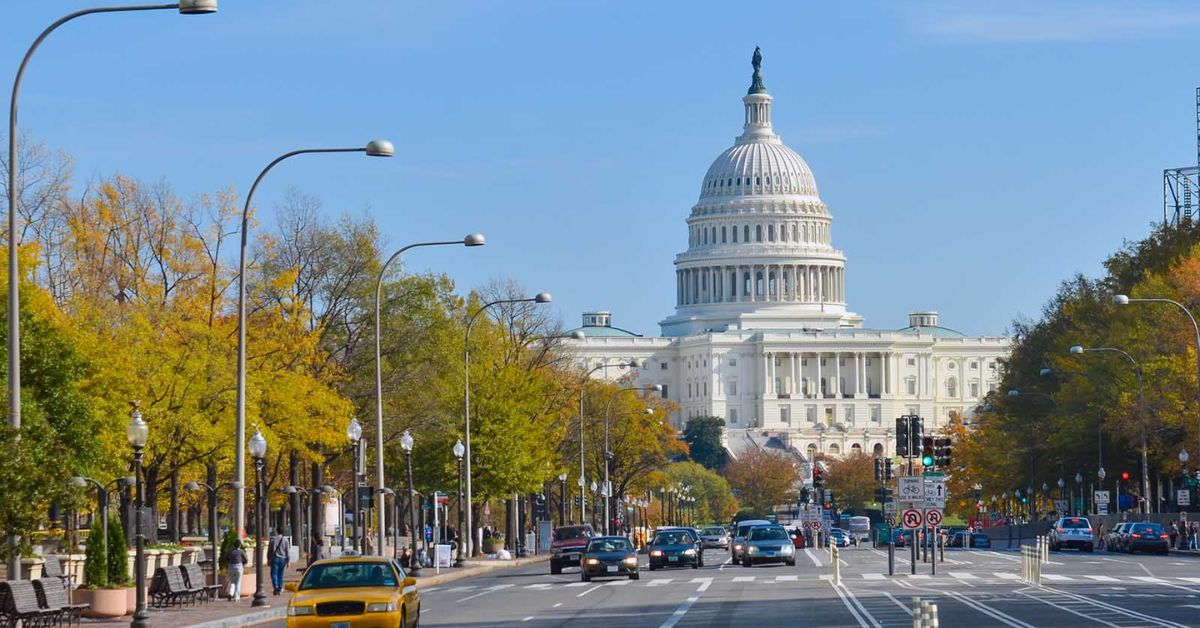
(227, 544)
(118, 558)
(95, 565)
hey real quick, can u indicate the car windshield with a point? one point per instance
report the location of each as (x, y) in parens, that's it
(672, 537)
(714, 531)
(1075, 523)
(573, 532)
(348, 574)
(768, 534)
(608, 545)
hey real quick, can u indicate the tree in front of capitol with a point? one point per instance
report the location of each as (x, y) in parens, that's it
(852, 480)
(703, 437)
(762, 479)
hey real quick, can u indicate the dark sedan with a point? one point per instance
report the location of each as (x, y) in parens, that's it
(1146, 537)
(609, 556)
(674, 548)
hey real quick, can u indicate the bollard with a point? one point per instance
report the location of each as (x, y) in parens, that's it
(892, 557)
(916, 609)
(837, 565)
(933, 616)
(924, 614)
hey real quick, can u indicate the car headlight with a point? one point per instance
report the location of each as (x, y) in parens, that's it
(295, 611)
(381, 607)
(631, 561)
(593, 561)
(752, 550)
(656, 552)
(786, 549)
(737, 546)
(689, 552)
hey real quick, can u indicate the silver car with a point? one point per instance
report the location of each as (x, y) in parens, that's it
(741, 533)
(768, 544)
(714, 536)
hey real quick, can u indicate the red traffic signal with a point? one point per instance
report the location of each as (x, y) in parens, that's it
(1125, 475)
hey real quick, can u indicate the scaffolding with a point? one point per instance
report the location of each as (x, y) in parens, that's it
(1181, 186)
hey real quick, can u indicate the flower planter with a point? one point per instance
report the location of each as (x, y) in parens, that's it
(131, 600)
(105, 603)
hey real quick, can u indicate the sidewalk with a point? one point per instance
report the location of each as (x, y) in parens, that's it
(226, 614)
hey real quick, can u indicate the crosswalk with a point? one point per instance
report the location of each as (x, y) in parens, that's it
(965, 578)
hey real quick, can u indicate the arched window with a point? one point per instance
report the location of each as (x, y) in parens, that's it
(856, 449)
(758, 233)
(745, 233)
(758, 284)
(834, 449)
(878, 449)
(722, 235)
(770, 233)
(705, 237)
(772, 284)
(952, 387)
(745, 284)
(783, 233)
(812, 452)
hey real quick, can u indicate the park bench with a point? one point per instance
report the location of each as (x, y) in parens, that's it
(168, 588)
(19, 603)
(52, 568)
(194, 577)
(51, 595)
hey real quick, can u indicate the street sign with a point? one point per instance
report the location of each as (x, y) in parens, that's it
(1102, 508)
(912, 519)
(935, 491)
(912, 489)
(1183, 497)
(1192, 481)
(1060, 505)
(1101, 497)
(889, 508)
(933, 517)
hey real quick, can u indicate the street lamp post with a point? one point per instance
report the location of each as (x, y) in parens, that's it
(185, 7)
(541, 297)
(562, 499)
(414, 565)
(354, 433)
(1077, 507)
(137, 433)
(1100, 473)
(459, 450)
(608, 454)
(1137, 370)
(1122, 299)
(258, 451)
(633, 363)
(474, 239)
(212, 517)
(374, 148)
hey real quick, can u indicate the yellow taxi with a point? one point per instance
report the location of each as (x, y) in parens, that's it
(354, 592)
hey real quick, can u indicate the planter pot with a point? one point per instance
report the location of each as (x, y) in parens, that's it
(249, 584)
(107, 603)
(130, 600)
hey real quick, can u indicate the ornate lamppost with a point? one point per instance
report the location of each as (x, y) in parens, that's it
(414, 565)
(460, 560)
(137, 433)
(258, 451)
(354, 433)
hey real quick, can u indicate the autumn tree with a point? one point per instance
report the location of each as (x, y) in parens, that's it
(852, 480)
(763, 479)
(715, 502)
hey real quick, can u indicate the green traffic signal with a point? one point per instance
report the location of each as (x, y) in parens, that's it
(927, 461)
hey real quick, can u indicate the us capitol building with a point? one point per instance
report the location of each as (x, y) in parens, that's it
(762, 336)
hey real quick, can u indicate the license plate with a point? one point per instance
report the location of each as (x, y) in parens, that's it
(768, 553)
(569, 557)
(339, 624)
(612, 569)
(673, 559)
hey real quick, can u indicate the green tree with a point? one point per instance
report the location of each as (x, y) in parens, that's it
(118, 556)
(95, 563)
(715, 502)
(703, 437)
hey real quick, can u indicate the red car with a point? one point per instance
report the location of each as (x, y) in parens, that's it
(568, 546)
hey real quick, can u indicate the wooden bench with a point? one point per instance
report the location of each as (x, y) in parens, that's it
(52, 568)
(168, 588)
(19, 603)
(194, 578)
(52, 594)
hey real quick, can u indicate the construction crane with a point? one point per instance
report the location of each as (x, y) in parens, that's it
(1181, 186)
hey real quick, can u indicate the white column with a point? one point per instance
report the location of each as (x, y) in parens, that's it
(819, 391)
(837, 375)
(766, 374)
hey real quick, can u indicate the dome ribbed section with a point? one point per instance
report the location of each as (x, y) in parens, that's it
(758, 168)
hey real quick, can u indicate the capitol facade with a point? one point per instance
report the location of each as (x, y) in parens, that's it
(762, 335)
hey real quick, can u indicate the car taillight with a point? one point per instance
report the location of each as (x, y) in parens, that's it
(1164, 536)
(1062, 529)
(1136, 535)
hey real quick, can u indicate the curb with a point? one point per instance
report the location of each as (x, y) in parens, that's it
(275, 614)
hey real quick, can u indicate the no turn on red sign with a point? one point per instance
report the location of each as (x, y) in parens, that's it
(912, 519)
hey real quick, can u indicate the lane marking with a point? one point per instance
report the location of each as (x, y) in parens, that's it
(540, 585)
(1053, 577)
(659, 581)
(576, 584)
(907, 608)
(988, 610)
(432, 589)
(556, 605)
(1111, 607)
(1102, 578)
(589, 590)
(853, 605)
(1004, 575)
(701, 581)
(1192, 580)
(617, 583)
(683, 608)
(743, 579)
(962, 575)
(528, 618)
(874, 576)
(728, 561)
(813, 557)
(792, 578)
(485, 592)
(1150, 579)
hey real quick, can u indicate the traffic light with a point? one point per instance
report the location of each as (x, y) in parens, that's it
(879, 469)
(917, 431)
(902, 436)
(1125, 475)
(818, 477)
(887, 469)
(927, 451)
(942, 450)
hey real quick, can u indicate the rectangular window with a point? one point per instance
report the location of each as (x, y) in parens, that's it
(868, 361)
(910, 410)
(811, 414)
(733, 411)
(974, 366)
(664, 391)
(731, 388)
(910, 386)
(848, 414)
(841, 361)
(803, 361)
(663, 365)
(876, 414)
(822, 361)
(785, 414)
(745, 233)
(776, 361)
(705, 389)
(732, 361)
(829, 417)
(912, 361)
(974, 389)
(992, 366)
(689, 391)
(722, 235)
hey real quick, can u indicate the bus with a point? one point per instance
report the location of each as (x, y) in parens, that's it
(860, 529)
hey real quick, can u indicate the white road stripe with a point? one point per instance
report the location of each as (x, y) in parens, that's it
(659, 581)
(1004, 575)
(589, 590)
(920, 576)
(813, 557)
(874, 576)
(1053, 577)
(744, 579)
(1102, 578)
(1150, 579)
(701, 581)
(486, 591)
(556, 605)
(791, 578)
(962, 575)
(1192, 580)
(865, 619)
(576, 584)
(617, 583)
(528, 618)
(683, 608)
(987, 610)
(540, 585)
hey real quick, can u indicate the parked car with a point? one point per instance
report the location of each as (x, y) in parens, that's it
(568, 546)
(1113, 539)
(979, 539)
(1146, 537)
(607, 556)
(903, 537)
(739, 536)
(768, 544)
(1073, 532)
(838, 537)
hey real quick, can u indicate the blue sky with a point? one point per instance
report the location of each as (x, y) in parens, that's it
(972, 154)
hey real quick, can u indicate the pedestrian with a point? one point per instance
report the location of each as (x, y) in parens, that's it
(1174, 533)
(1100, 540)
(235, 562)
(279, 550)
(1194, 541)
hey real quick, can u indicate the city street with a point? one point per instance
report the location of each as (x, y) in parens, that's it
(971, 588)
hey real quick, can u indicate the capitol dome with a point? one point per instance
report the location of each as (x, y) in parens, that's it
(760, 248)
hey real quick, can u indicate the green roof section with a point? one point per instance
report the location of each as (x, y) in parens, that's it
(595, 331)
(937, 331)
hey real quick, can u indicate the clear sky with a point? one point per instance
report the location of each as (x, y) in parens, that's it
(972, 154)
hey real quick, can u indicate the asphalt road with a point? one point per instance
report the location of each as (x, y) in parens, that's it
(971, 588)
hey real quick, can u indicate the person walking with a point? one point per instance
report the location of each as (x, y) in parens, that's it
(235, 562)
(1193, 537)
(279, 551)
